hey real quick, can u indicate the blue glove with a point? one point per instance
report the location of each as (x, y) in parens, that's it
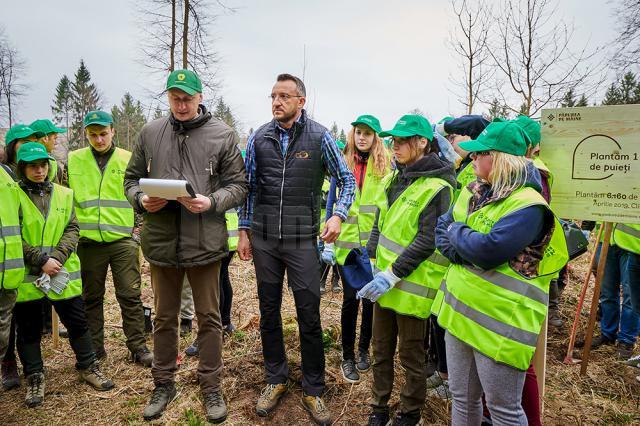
(328, 256)
(381, 283)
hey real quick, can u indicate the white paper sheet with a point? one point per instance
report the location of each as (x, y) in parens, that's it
(169, 189)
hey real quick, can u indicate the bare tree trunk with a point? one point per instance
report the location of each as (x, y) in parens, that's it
(172, 48)
(185, 35)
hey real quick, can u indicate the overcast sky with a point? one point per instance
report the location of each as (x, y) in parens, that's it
(362, 56)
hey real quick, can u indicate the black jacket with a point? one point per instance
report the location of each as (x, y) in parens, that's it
(423, 244)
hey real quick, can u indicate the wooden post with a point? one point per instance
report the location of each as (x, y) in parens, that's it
(568, 359)
(602, 260)
(55, 334)
(540, 362)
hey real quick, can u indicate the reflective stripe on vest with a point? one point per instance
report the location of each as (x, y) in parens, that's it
(45, 233)
(627, 237)
(356, 229)
(103, 212)
(11, 257)
(499, 312)
(398, 225)
(232, 229)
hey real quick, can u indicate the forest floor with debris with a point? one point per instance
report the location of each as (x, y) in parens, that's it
(608, 394)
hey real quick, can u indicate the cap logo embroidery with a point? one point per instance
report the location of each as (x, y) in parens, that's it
(94, 116)
(402, 122)
(181, 77)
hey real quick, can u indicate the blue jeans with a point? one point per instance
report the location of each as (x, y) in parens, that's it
(633, 268)
(619, 322)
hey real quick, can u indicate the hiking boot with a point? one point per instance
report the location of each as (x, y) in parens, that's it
(269, 398)
(600, 341)
(554, 319)
(364, 362)
(215, 406)
(319, 412)
(35, 390)
(142, 356)
(162, 395)
(349, 371)
(633, 361)
(10, 376)
(442, 391)
(192, 350)
(403, 419)
(95, 378)
(434, 380)
(378, 418)
(185, 327)
(625, 350)
(323, 288)
(63, 332)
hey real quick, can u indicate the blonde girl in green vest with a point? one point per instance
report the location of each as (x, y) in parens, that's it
(52, 270)
(505, 246)
(409, 269)
(367, 159)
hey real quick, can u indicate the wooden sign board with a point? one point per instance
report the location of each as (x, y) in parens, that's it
(594, 155)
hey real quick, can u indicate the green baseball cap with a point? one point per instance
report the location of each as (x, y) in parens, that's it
(503, 136)
(46, 126)
(33, 151)
(340, 144)
(185, 80)
(20, 131)
(410, 125)
(100, 118)
(530, 127)
(369, 120)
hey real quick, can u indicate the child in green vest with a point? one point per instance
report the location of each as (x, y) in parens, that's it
(367, 159)
(409, 269)
(52, 270)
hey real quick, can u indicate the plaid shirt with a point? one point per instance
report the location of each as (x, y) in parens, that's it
(333, 162)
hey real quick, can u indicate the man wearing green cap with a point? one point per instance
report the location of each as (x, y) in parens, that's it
(187, 236)
(50, 131)
(106, 220)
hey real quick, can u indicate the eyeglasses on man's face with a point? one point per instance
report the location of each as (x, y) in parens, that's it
(284, 97)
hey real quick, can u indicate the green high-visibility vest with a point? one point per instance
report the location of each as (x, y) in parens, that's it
(232, 229)
(626, 236)
(103, 211)
(11, 260)
(540, 165)
(500, 312)
(356, 229)
(465, 177)
(323, 209)
(398, 225)
(45, 233)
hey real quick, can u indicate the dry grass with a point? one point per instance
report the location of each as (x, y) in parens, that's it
(607, 395)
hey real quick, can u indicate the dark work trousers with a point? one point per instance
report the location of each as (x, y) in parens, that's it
(123, 258)
(438, 341)
(300, 260)
(391, 329)
(29, 332)
(167, 288)
(10, 353)
(7, 323)
(349, 319)
(226, 292)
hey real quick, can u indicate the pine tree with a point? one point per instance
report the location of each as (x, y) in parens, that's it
(497, 110)
(582, 102)
(62, 103)
(128, 121)
(568, 100)
(158, 113)
(334, 131)
(86, 98)
(343, 136)
(625, 90)
(223, 113)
